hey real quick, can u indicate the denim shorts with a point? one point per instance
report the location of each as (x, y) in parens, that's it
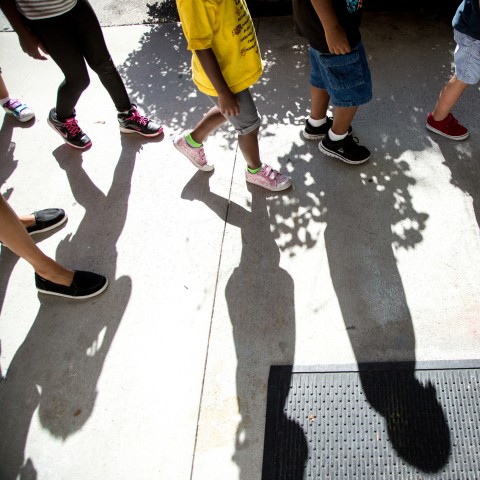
(346, 78)
(248, 119)
(467, 58)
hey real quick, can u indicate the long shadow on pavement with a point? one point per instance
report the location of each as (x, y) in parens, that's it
(56, 369)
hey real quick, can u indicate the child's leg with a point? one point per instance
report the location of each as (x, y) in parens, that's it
(319, 100)
(207, 125)
(3, 88)
(249, 147)
(448, 97)
(57, 35)
(94, 48)
(342, 118)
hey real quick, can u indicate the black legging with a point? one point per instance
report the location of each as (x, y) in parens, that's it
(71, 39)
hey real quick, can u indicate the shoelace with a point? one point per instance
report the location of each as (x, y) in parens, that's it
(137, 118)
(72, 126)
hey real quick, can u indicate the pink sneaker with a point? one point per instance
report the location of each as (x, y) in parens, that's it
(269, 178)
(448, 127)
(195, 155)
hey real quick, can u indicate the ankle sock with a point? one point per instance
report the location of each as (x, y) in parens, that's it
(3, 101)
(253, 170)
(192, 142)
(317, 123)
(334, 137)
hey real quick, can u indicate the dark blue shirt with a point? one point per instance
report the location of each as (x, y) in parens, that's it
(467, 19)
(308, 25)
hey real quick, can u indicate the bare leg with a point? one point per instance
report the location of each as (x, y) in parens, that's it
(27, 220)
(342, 119)
(319, 100)
(249, 146)
(3, 88)
(208, 124)
(448, 97)
(16, 238)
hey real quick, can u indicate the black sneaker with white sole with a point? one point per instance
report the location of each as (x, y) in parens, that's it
(347, 150)
(69, 130)
(317, 133)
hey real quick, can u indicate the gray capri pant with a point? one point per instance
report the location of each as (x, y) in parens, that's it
(248, 119)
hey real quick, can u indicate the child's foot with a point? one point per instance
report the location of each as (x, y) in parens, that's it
(133, 122)
(84, 285)
(70, 131)
(195, 154)
(268, 178)
(347, 150)
(19, 110)
(448, 127)
(317, 133)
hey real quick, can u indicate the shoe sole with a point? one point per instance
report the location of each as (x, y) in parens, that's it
(313, 136)
(24, 119)
(331, 153)
(451, 137)
(51, 227)
(127, 130)
(205, 168)
(94, 294)
(280, 188)
(88, 145)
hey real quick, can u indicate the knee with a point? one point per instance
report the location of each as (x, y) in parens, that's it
(79, 82)
(106, 67)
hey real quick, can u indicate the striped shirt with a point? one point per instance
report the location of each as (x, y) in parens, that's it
(38, 9)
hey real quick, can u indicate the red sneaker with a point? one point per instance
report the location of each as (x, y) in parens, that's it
(448, 127)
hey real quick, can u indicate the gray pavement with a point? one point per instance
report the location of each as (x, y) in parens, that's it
(164, 376)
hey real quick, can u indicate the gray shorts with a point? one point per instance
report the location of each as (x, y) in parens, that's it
(248, 119)
(467, 58)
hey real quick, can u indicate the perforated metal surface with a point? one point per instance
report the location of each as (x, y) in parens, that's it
(376, 423)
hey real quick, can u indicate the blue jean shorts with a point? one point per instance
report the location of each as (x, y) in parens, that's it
(467, 58)
(248, 119)
(346, 78)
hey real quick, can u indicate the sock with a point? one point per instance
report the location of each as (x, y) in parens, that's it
(3, 101)
(334, 137)
(253, 170)
(192, 142)
(317, 123)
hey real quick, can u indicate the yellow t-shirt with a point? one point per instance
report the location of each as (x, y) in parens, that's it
(227, 28)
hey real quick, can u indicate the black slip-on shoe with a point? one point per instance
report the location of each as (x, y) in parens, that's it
(84, 285)
(46, 220)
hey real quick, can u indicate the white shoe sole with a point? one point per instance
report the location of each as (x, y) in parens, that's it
(51, 227)
(333, 154)
(439, 132)
(94, 294)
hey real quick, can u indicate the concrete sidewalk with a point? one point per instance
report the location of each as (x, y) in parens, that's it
(164, 376)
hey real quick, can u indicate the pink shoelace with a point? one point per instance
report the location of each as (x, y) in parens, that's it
(72, 126)
(137, 118)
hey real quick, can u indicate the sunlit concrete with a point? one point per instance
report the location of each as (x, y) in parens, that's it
(211, 282)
